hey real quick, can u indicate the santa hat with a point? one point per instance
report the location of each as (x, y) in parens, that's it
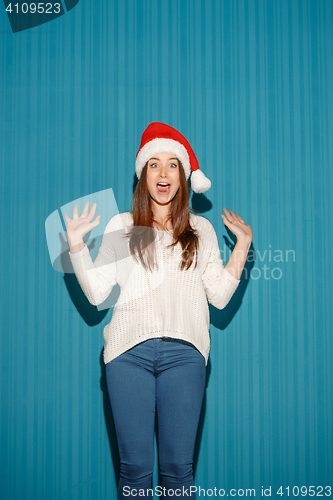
(161, 138)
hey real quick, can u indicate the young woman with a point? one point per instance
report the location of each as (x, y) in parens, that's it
(167, 263)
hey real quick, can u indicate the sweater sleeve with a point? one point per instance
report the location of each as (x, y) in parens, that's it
(99, 277)
(218, 283)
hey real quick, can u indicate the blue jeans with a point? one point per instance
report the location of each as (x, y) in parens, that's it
(167, 375)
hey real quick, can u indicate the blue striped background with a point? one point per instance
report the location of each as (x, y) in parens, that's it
(249, 83)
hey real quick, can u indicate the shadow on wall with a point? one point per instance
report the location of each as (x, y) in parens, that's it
(110, 427)
(88, 312)
(219, 318)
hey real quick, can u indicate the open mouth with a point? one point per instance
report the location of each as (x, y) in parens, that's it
(163, 187)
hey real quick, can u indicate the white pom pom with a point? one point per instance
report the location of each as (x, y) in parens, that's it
(199, 182)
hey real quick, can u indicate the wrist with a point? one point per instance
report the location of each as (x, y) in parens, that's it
(244, 242)
(76, 247)
(75, 244)
(73, 239)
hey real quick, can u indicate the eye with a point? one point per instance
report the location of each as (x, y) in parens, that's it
(154, 165)
(173, 165)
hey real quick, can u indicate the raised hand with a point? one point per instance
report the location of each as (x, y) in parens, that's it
(242, 231)
(79, 226)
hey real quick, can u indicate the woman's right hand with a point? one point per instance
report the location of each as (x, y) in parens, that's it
(79, 226)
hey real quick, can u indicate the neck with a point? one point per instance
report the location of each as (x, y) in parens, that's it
(162, 216)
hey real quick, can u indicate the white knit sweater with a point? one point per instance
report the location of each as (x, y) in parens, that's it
(167, 302)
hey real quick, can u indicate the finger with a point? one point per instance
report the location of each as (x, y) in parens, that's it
(227, 214)
(225, 220)
(94, 224)
(85, 210)
(234, 215)
(67, 219)
(237, 216)
(75, 214)
(92, 211)
(96, 221)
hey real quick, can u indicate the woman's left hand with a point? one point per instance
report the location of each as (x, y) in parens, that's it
(236, 225)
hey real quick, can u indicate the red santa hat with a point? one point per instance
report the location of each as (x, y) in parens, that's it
(161, 138)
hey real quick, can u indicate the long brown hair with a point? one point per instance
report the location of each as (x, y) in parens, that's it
(142, 234)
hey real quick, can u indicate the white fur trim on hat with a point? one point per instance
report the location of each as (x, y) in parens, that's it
(160, 145)
(199, 182)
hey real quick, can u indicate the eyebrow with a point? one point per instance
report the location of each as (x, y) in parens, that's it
(172, 158)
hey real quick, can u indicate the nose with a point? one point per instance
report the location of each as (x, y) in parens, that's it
(164, 171)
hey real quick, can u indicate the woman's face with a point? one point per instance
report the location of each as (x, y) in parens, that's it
(163, 178)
